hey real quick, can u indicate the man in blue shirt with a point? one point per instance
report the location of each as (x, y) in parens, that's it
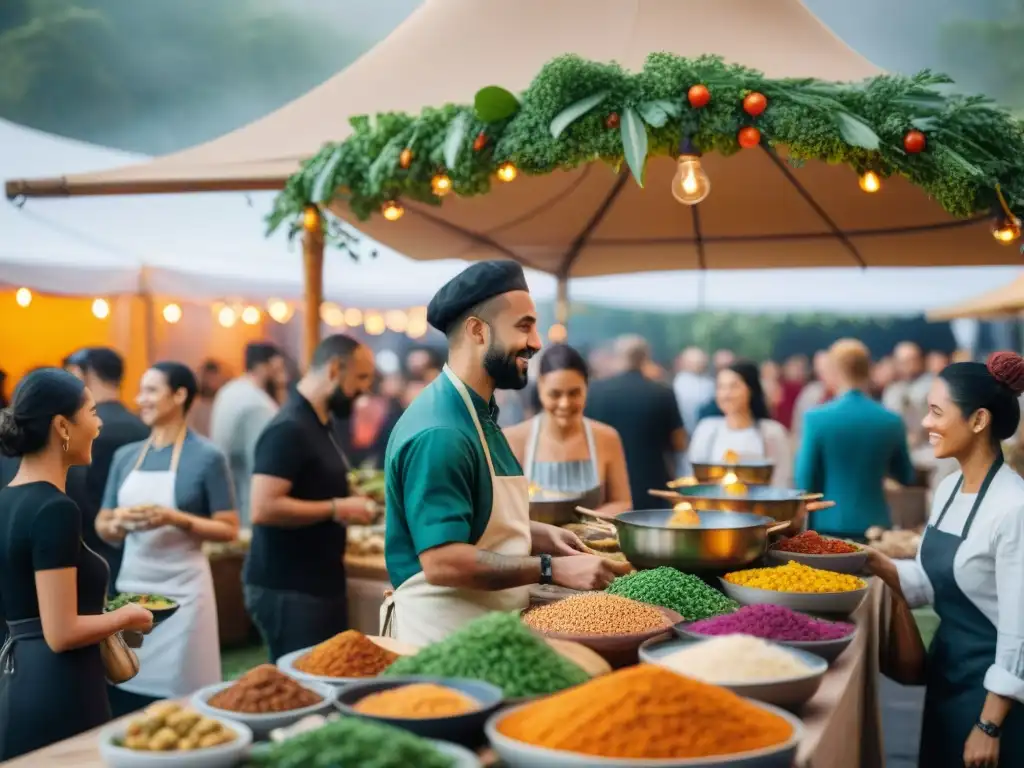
(849, 446)
(459, 539)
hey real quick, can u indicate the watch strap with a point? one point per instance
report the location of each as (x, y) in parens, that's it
(545, 569)
(989, 729)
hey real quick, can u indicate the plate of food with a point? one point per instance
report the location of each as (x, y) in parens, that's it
(168, 734)
(160, 606)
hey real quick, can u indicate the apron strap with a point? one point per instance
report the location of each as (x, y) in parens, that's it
(179, 442)
(592, 447)
(531, 446)
(460, 387)
(982, 491)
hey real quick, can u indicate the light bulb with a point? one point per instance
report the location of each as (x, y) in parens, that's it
(226, 316)
(172, 313)
(331, 314)
(353, 317)
(441, 185)
(396, 320)
(311, 218)
(251, 315)
(100, 309)
(417, 327)
(374, 324)
(691, 184)
(392, 210)
(279, 310)
(1005, 229)
(23, 297)
(507, 172)
(558, 333)
(870, 182)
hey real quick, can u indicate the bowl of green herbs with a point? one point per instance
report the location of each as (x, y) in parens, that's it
(161, 607)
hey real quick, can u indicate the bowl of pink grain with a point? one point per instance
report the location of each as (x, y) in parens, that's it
(827, 639)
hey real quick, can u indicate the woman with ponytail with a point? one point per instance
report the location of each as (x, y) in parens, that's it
(971, 568)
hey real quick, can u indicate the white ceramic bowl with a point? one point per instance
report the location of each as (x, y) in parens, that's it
(518, 754)
(287, 665)
(790, 692)
(850, 562)
(222, 756)
(262, 724)
(843, 603)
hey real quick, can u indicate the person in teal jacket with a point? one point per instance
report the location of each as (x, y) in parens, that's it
(849, 446)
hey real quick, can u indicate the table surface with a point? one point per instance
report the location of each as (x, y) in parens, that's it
(842, 724)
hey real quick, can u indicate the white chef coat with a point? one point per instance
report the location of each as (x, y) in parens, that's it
(989, 569)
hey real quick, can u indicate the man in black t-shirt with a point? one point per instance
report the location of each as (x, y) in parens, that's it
(300, 501)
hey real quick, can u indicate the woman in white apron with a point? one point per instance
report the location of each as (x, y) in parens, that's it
(164, 497)
(565, 453)
(745, 427)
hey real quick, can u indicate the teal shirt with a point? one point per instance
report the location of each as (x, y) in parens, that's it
(848, 447)
(437, 485)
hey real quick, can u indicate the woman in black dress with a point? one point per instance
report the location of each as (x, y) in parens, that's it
(52, 587)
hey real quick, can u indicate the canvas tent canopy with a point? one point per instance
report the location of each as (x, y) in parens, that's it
(1005, 301)
(583, 222)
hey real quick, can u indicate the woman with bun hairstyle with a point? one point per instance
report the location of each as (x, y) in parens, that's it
(53, 587)
(165, 496)
(970, 566)
(563, 452)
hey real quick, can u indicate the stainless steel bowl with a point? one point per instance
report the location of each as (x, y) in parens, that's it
(554, 508)
(722, 540)
(781, 504)
(749, 472)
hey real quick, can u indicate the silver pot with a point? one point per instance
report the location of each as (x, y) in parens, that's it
(779, 504)
(748, 472)
(723, 540)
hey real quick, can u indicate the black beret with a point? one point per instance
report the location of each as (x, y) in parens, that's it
(475, 284)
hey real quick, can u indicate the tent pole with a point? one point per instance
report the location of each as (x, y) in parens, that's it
(313, 264)
(562, 301)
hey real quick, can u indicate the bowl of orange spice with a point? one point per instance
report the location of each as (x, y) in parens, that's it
(347, 657)
(645, 717)
(446, 709)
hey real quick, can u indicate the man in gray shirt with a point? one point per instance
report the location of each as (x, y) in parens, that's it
(241, 409)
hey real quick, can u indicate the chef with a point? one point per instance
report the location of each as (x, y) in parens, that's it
(459, 542)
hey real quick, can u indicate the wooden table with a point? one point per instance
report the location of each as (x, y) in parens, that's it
(367, 579)
(842, 722)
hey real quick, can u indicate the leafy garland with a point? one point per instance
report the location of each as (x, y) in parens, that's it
(577, 111)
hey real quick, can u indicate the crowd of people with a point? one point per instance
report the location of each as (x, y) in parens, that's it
(97, 499)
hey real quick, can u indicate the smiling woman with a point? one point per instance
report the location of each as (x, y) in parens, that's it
(164, 497)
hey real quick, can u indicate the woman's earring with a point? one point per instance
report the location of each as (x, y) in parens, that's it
(67, 442)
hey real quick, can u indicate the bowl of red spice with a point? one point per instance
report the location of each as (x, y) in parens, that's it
(824, 552)
(264, 698)
(441, 708)
(347, 657)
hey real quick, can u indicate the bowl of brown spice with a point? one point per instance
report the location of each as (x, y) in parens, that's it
(264, 698)
(347, 657)
(446, 709)
(611, 626)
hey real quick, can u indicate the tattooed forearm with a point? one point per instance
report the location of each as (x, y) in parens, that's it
(463, 566)
(496, 571)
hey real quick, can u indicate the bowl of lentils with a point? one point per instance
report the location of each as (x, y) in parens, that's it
(781, 625)
(824, 552)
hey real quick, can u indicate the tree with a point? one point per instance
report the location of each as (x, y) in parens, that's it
(988, 55)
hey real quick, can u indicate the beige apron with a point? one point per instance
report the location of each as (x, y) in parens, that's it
(421, 613)
(182, 654)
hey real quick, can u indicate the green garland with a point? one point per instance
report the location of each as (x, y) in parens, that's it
(562, 121)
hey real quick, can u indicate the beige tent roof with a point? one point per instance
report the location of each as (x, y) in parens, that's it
(588, 221)
(1002, 302)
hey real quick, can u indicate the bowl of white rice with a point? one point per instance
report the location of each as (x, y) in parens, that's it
(748, 666)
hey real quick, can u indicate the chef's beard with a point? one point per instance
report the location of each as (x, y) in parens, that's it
(340, 404)
(503, 366)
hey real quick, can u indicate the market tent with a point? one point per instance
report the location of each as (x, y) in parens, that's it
(1001, 302)
(203, 248)
(588, 221)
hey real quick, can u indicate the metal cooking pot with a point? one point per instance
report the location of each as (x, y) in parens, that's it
(748, 472)
(722, 540)
(555, 508)
(780, 504)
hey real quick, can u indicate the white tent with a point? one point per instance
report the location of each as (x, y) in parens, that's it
(199, 247)
(211, 247)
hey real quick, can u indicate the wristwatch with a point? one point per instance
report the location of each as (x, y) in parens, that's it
(989, 729)
(545, 569)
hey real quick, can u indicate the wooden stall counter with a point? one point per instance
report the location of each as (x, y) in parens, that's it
(367, 578)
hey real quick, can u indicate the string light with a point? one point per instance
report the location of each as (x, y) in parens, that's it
(691, 184)
(172, 313)
(311, 220)
(251, 315)
(392, 210)
(331, 314)
(441, 185)
(373, 323)
(417, 327)
(23, 297)
(396, 320)
(353, 317)
(100, 309)
(227, 316)
(280, 311)
(870, 182)
(1005, 226)
(507, 172)
(558, 333)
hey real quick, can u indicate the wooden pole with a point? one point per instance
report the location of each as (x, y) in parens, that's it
(313, 264)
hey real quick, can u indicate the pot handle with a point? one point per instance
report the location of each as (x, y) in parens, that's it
(586, 512)
(775, 528)
(670, 495)
(811, 496)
